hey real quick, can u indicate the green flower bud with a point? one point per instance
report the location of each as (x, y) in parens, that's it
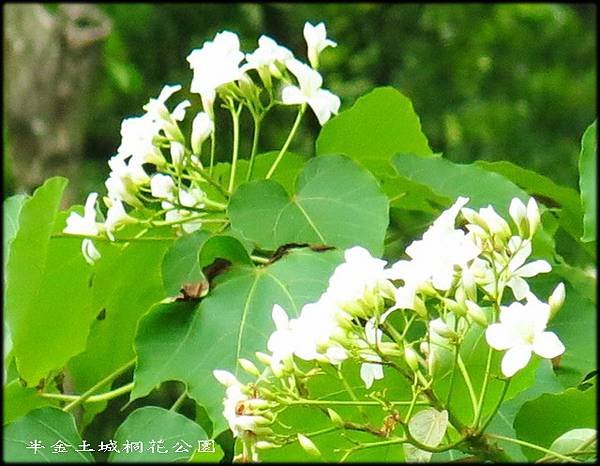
(264, 358)
(476, 313)
(308, 445)
(411, 358)
(264, 445)
(557, 299)
(249, 367)
(335, 418)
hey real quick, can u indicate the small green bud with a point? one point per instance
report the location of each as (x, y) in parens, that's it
(420, 308)
(476, 313)
(249, 367)
(439, 326)
(335, 418)
(411, 358)
(264, 445)
(264, 358)
(308, 445)
(455, 307)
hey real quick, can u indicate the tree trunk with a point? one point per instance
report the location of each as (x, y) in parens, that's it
(51, 61)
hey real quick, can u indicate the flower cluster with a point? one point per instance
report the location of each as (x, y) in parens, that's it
(159, 172)
(454, 278)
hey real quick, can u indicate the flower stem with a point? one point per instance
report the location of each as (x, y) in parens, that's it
(486, 379)
(287, 141)
(350, 403)
(533, 447)
(82, 398)
(117, 240)
(465, 374)
(212, 152)
(259, 260)
(257, 123)
(92, 399)
(179, 401)
(235, 120)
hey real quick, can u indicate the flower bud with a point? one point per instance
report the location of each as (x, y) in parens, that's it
(308, 445)
(420, 308)
(335, 418)
(533, 216)
(177, 152)
(476, 313)
(264, 358)
(439, 326)
(225, 378)
(202, 128)
(249, 367)
(455, 307)
(411, 358)
(518, 213)
(557, 299)
(264, 445)
(495, 224)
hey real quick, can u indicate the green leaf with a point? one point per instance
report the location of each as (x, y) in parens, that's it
(575, 441)
(127, 283)
(223, 247)
(543, 419)
(428, 427)
(451, 180)
(12, 209)
(291, 164)
(19, 400)
(336, 203)
(379, 125)
(180, 264)
(46, 328)
(587, 182)
(152, 423)
(575, 325)
(48, 426)
(178, 341)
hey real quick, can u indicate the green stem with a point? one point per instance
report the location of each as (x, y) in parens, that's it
(189, 219)
(257, 123)
(117, 240)
(287, 141)
(364, 446)
(350, 403)
(235, 120)
(212, 151)
(92, 399)
(484, 387)
(465, 374)
(82, 398)
(258, 259)
(533, 447)
(179, 401)
(498, 403)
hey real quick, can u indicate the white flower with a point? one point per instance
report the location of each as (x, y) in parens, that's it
(86, 224)
(215, 64)
(266, 55)
(202, 128)
(162, 186)
(116, 216)
(527, 218)
(192, 197)
(316, 40)
(282, 341)
(517, 269)
(323, 102)
(371, 370)
(521, 331)
(435, 256)
(357, 281)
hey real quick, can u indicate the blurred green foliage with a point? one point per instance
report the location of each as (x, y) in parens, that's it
(490, 82)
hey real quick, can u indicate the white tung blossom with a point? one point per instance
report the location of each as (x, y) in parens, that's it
(267, 55)
(316, 41)
(215, 64)
(86, 225)
(517, 270)
(521, 331)
(324, 103)
(371, 370)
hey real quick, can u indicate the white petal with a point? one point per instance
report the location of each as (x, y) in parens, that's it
(517, 211)
(499, 337)
(280, 317)
(533, 215)
(369, 372)
(519, 286)
(515, 359)
(521, 256)
(533, 268)
(292, 95)
(324, 103)
(89, 251)
(548, 346)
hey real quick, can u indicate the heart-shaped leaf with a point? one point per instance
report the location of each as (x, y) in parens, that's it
(336, 203)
